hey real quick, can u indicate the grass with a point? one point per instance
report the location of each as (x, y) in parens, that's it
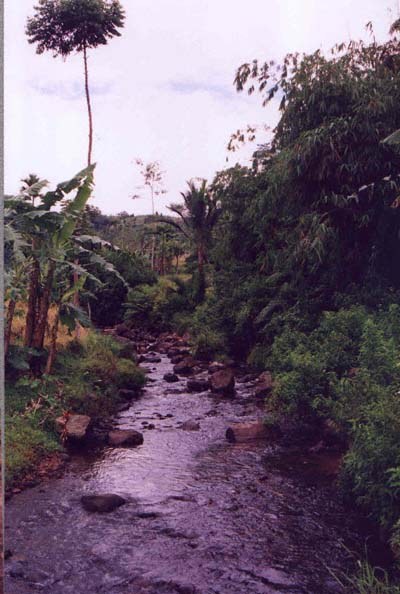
(25, 444)
(86, 379)
(367, 580)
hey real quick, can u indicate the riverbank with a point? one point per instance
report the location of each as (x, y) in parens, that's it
(90, 378)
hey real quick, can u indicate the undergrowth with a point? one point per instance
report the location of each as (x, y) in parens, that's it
(85, 380)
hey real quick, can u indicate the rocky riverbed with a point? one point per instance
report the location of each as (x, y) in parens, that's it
(201, 515)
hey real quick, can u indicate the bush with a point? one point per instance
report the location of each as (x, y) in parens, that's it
(155, 306)
(347, 370)
(103, 365)
(128, 375)
(106, 300)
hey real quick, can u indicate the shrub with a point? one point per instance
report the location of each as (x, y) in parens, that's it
(155, 306)
(128, 375)
(106, 300)
(103, 365)
(206, 336)
(348, 370)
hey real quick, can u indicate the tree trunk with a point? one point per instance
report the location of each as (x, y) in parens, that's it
(44, 304)
(53, 342)
(33, 296)
(153, 252)
(89, 107)
(201, 255)
(10, 316)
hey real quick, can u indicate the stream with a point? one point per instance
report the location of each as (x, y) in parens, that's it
(204, 516)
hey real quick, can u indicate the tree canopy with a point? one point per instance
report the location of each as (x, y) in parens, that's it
(65, 26)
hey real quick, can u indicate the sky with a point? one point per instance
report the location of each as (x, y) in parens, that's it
(163, 91)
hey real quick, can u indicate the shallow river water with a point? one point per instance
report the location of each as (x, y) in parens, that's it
(204, 516)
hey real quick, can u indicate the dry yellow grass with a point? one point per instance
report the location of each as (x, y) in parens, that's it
(18, 327)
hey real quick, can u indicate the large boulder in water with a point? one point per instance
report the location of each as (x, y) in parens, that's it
(125, 438)
(185, 367)
(240, 432)
(264, 385)
(126, 394)
(102, 503)
(74, 427)
(176, 351)
(190, 426)
(198, 385)
(171, 378)
(152, 358)
(223, 382)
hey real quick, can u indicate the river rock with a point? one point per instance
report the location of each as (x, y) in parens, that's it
(240, 432)
(264, 385)
(223, 381)
(76, 427)
(151, 359)
(197, 385)
(190, 426)
(126, 394)
(122, 330)
(125, 438)
(123, 407)
(176, 351)
(185, 367)
(215, 366)
(102, 503)
(171, 378)
(177, 359)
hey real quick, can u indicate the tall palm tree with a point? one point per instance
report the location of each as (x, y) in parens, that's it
(198, 214)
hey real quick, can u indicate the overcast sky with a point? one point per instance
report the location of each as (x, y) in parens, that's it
(162, 91)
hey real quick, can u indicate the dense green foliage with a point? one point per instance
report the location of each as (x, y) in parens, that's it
(105, 301)
(347, 370)
(305, 257)
(157, 306)
(72, 25)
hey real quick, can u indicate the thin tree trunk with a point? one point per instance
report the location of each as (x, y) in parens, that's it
(33, 296)
(200, 263)
(200, 258)
(76, 302)
(44, 304)
(153, 252)
(53, 342)
(90, 145)
(89, 107)
(10, 317)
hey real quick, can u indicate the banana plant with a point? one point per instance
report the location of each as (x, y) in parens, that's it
(42, 237)
(50, 253)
